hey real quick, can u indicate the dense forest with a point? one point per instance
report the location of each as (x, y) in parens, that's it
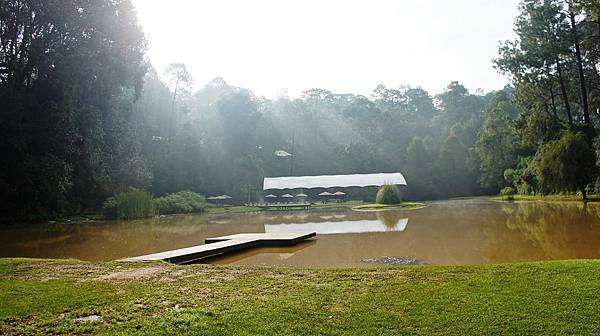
(83, 115)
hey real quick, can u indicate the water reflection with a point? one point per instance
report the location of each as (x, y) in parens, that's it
(282, 253)
(391, 219)
(449, 232)
(359, 226)
(546, 231)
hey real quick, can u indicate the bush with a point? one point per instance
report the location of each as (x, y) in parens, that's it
(389, 194)
(567, 164)
(508, 192)
(133, 203)
(181, 202)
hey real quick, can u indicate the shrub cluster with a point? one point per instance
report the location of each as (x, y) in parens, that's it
(389, 194)
(180, 202)
(508, 192)
(133, 203)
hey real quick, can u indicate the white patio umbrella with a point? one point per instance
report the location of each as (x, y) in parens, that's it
(339, 193)
(271, 196)
(325, 194)
(288, 196)
(302, 197)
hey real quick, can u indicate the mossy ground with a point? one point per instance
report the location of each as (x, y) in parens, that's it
(49, 297)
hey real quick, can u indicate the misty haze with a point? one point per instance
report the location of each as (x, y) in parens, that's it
(300, 167)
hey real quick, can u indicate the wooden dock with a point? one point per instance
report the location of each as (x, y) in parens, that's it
(285, 207)
(226, 244)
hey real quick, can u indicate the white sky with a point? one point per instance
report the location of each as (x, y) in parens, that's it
(346, 46)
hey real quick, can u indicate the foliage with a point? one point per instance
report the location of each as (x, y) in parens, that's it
(523, 177)
(508, 192)
(552, 65)
(389, 194)
(418, 170)
(496, 141)
(451, 172)
(133, 203)
(567, 164)
(69, 74)
(77, 125)
(180, 202)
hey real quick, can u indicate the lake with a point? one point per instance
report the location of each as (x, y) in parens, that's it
(444, 233)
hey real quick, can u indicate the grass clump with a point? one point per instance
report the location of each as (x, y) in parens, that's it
(133, 203)
(388, 194)
(180, 202)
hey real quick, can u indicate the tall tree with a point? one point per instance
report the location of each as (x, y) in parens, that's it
(451, 173)
(62, 66)
(496, 143)
(566, 164)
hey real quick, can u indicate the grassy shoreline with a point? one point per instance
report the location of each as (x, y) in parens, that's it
(68, 296)
(544, 198)
(355, 205)
(383, 207)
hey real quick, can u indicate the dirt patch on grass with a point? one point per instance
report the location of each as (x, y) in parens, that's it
(52, 270)
(137, 273)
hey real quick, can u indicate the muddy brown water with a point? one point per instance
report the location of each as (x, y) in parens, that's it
(443, 233)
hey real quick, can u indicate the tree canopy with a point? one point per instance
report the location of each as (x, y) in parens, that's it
(83, 116)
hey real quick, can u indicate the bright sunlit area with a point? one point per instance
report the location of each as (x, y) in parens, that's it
(272, 47)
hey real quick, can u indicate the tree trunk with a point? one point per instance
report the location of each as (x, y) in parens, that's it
(563, 91)
(553, 103)
(582, 84)
(174, 96)
(173, 115)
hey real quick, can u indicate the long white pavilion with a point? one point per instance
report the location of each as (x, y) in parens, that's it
(333, 181)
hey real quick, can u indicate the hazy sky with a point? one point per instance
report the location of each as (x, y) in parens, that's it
(345, 46)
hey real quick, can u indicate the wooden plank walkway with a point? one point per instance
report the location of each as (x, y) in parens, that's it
(226, 244)
(285, 207)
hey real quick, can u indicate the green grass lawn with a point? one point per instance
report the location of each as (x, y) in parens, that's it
(46, 297)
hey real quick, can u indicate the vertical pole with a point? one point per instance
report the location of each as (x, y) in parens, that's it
(293, 143)
(293, 154)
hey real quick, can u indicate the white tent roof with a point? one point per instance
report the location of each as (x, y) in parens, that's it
(339, 193)
(287, 196)
(332, 181)
(325, 193)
